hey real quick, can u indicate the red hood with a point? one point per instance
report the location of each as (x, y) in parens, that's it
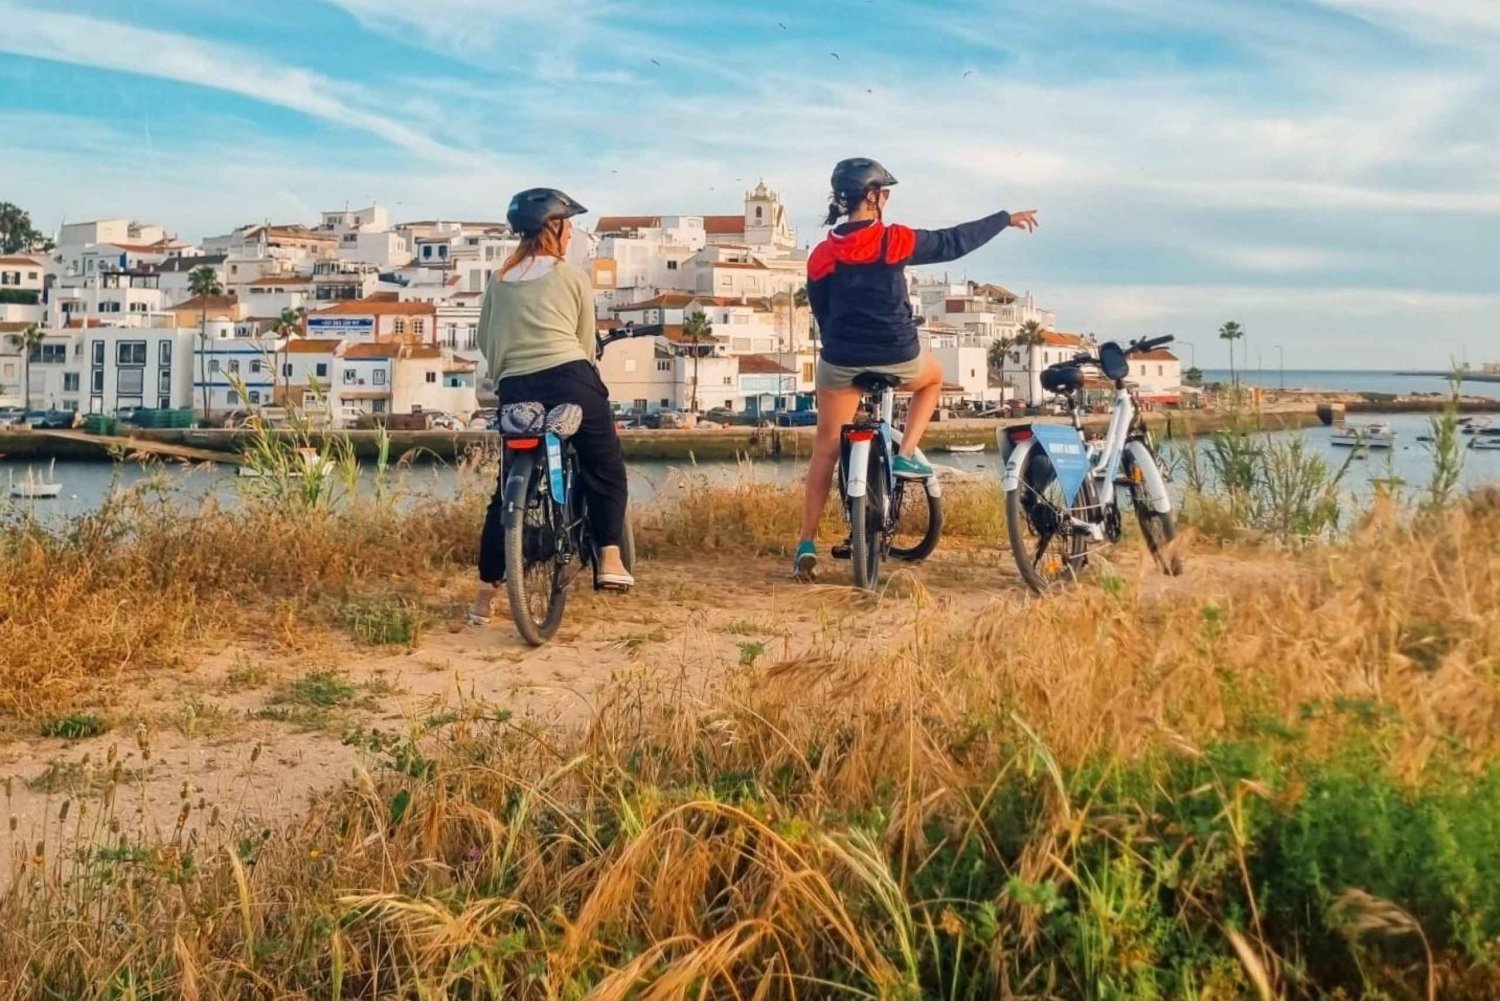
(861, 246)
(858, 247)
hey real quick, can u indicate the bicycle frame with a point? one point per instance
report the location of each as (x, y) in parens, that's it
(858, 439)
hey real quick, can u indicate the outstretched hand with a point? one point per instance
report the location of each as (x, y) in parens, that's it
(1023, 220)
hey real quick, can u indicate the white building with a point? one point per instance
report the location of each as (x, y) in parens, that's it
(1157, 375)
(365, 236)
(259, 241)
(990, 311)
(232, 368)
(116, 298)
(172, 275)
(135, 367)
(12, 364)
(965, 360)
(54, 370)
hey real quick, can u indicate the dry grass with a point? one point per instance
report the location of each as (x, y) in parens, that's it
(1090, 796)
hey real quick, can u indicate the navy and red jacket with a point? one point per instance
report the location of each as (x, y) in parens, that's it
(856, 285)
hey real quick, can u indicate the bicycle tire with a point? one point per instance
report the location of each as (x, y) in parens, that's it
(1158, 528)
(866, 528)
(538, 577)
(1072, 547)
(934, 521)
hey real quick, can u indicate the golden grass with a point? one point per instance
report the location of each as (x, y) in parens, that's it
(938, 818)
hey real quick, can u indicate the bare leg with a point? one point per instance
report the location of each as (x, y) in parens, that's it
(925, 390)
(835, 409)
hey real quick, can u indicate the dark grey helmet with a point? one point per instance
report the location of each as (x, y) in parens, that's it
(858, 175)
(533, 208)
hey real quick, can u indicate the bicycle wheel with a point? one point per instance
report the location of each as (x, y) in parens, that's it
(867, 528)
(533, 576)
(1048, 551)
(917, 520)
(1158, 528)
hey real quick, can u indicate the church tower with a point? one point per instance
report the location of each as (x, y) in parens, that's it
(766, 223)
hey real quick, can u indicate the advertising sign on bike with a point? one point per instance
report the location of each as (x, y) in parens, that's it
(1065, 448)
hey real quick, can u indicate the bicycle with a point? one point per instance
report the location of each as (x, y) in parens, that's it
(879, 505)
(549, 540)
(1060, 488)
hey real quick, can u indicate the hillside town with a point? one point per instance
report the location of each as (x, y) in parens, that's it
(354, 317)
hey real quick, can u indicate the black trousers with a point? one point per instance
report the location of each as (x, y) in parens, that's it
(601, 461)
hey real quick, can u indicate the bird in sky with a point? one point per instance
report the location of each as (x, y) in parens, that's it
(968, 73)
(781, 25)
(655, 63)
(835, 55)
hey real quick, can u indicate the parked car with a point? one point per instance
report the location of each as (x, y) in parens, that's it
(127, 414)
(444, 422)
(797, 419)
(11, 415)
(57, 420)
(721, 414)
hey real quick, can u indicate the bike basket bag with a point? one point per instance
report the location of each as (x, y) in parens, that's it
(522, 418)
(1062, 378)
(565, 419)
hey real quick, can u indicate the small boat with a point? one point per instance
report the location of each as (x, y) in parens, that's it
(33, 487)
(1364, 435)
(1489, 442)
(977, 446)
(1476, 425)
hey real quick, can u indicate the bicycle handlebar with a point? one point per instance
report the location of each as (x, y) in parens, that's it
(622, 334)
(1145, 344)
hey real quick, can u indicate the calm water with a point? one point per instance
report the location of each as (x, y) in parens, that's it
(85, 484)
(1350, 382)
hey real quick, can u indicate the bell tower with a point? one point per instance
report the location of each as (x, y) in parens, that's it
(766, 224)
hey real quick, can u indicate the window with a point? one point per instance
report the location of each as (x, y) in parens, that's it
(164, 402)
(98, 352)
(254, 396)
(53, 354)
(728, 380)
(164, 380)
(138, 307)
(72, 306)
(1159, 369)
(109, 307)
(130, 353)
(377, 406)
(671, 265)
(213, 364)
(164, 353)
(234, 364)
(10, 370)
(321, 370)
(728, 404)
(255, 366)
(400, 326)
(431, 377)
(348, 376)
(132, 382)
(666, 402)
(378, 378)
(664, 366)
(232, 398)
(286, 370)
(70, 382)
(96, 381)
(417, 326)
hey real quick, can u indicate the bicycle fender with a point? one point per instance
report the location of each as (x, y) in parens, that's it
(515, 493)
(859, 468)
(1151, 478)
(555, 468)
(1010, 479)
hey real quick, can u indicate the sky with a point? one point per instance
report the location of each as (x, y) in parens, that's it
(1324, 172)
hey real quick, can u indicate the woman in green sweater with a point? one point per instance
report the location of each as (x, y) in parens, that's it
(538, 333)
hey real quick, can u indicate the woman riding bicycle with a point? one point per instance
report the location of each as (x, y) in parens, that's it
(538, 332)
(856, 286)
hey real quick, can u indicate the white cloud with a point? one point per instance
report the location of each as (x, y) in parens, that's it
(111, 45)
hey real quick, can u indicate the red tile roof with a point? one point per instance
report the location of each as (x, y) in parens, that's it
(30, 261)
(1160, 354)
(1058, 339)
(620, 223)
(378, 307)
(761, 365)
(312, 346)
(379, 350)
(208, 302)
(724, 225)
(280, 280)
(740, 265)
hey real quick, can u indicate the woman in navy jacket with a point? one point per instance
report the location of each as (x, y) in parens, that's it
(856, 286)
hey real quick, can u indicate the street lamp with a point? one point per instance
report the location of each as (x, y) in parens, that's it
(1281, 364)
(1194, 348)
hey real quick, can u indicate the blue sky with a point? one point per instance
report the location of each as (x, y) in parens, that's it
(1326, 172)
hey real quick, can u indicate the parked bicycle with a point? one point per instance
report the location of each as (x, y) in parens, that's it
(549, 541)
(888, 515)
(1062, 491)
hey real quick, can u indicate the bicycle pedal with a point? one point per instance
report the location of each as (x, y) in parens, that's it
(842, 552)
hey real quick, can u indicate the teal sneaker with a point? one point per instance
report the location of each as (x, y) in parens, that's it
(805, 563)
(911, 469)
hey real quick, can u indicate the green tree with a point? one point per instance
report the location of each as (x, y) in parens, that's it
(998, 355)
(287, 325)
(697, 326)
(1231, 332)
(1031, 335)
(16, 232)
(202, 283)
(1193, 377)
(29, 342)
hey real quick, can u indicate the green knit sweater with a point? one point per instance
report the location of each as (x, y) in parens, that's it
(528, 326)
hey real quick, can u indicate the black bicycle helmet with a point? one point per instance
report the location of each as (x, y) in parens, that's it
(535, 207)
(859, 174)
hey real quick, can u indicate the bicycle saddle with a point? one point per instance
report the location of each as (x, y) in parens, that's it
(522, 418)
(874, 382)
(565, 419)
(1062, 378)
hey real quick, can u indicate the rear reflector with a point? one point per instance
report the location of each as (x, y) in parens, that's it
(1020, 434)
(522, 444)
(860, 435)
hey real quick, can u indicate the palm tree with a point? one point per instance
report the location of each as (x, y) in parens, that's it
(1030, 335)
(28, 342)
(696, 327)
(1231, 332)
(998, 355)
(287, 324)
(202, 283)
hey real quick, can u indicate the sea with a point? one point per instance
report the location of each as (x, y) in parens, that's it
(1351, 381)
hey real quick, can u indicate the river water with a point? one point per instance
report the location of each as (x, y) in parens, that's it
(86, 484)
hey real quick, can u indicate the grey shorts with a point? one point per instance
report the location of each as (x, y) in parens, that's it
(842, 377)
